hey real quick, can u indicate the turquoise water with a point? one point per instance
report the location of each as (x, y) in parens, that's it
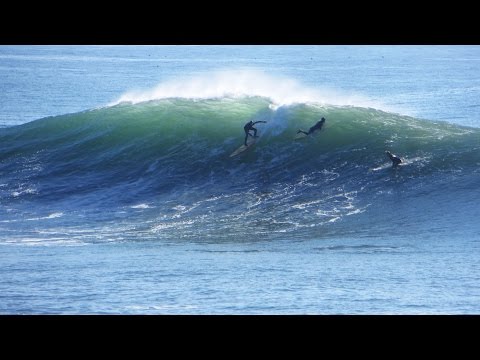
(118, 194)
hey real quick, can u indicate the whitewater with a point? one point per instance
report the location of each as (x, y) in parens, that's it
(132, 203)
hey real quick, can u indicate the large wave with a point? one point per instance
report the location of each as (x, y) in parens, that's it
(169, 160)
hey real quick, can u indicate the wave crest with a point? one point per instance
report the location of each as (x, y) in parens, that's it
(248, 82)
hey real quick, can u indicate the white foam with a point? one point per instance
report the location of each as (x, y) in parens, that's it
(51, 216)
(179, 208)
(39, 241)
(143, 308)
(356, 211)
(175, 225)
(247, 82)
(54, 215)
(22, 192)
(141, 206)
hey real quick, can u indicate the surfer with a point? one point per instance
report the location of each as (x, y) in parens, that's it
(395, 159)
(249, 126)
(315, 127)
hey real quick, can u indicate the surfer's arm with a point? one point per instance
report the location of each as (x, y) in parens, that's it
(256, 122)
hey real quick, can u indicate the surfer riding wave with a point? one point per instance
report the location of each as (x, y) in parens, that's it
(248, 127)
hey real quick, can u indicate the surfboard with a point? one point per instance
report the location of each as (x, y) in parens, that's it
(300, 136)
(243, 148)
(389, 166)
(405, 162)
(382, 167)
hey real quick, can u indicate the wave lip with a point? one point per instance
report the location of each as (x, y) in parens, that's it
(247, 82)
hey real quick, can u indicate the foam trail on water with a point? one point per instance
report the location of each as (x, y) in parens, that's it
(248, 82)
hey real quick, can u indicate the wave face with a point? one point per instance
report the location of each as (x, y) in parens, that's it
(167, 162)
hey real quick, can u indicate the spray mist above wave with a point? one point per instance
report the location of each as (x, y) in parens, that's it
(247, 82)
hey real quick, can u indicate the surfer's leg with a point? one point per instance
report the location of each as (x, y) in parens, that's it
(254, 132)
(246, 137)
(301, 131)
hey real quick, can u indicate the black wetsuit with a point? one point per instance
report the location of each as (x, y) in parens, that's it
(249, 126)
(315, 127)
(395, 159)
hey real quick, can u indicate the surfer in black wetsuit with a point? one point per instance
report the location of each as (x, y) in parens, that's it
(395, 159)
(315, 127)
(249, 126)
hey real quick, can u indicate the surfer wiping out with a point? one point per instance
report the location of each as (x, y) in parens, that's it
(249, 126)
(395, 159)
(315, 127)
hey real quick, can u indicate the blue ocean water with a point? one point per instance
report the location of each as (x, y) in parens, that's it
(118, 194)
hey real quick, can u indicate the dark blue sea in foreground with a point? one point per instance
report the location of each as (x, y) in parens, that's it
(118, 194)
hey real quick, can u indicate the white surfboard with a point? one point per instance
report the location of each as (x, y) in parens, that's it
(241, 149)
(382, 167)
(405, 162)
(300, 136)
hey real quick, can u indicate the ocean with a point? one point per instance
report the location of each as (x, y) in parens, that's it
(118, 194)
